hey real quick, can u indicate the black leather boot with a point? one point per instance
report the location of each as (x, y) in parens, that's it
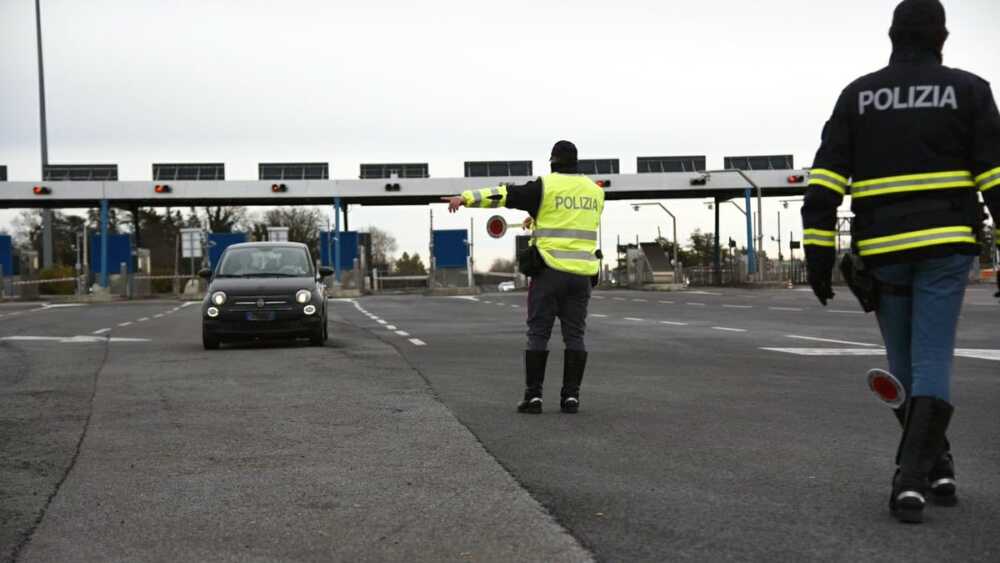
(923, 442)
(574, 364)
(534, 378)
(943, 486)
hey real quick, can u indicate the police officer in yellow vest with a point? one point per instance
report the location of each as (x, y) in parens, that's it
(563, 261)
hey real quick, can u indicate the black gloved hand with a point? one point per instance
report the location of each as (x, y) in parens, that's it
(997, 294)
(819, 267)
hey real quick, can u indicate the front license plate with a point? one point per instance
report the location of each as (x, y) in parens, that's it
(260, 315)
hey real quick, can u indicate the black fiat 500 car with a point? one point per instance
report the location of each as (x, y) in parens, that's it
(264, 290)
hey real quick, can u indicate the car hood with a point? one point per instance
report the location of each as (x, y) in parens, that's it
(261, 286)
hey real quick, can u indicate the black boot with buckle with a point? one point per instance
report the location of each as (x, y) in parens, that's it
(943, 485)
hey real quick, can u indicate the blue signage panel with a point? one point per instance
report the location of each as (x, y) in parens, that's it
(450, 248)
(348, 249)
(6, 255)
(219, 242)
(119, 250)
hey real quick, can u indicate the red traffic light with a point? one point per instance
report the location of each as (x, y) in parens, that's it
(496, 226)
(162, 189)
(796, 179)
(278, 188)
(41, 190)
(603, 183)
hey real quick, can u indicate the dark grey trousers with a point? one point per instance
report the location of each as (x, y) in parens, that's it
(552, 294)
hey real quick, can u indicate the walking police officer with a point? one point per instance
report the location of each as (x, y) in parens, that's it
(562, 262)
(912, 144)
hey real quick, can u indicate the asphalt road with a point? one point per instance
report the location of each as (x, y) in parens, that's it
(715, 426)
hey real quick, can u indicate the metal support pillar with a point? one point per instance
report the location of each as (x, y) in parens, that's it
(751, 250)
(336, 241)
(718, 246)
(104, 243)
(346, 225)
(136, 238)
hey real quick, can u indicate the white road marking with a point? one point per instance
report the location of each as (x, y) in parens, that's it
(515, 306)
(633, 319)
(189, 303)
(978, 354)
(738, 306)
(418, 342)
(488, 302)
(831, 341)
(390, 327)
(402, 333)
(829, 351)
(704, 293)
(501, 304)
(696, 304)
(727, 329)
(144, 319)
(597, 297)
(126, 323)
(102, 331)
(847, 312)
(62, 305)
(618, 298)
(596, 316)
(381, 322)
(466, 297)
(785, 308)
(72, 339)
(667, 302)
(158, 316)
(639, 301)
(672, 323)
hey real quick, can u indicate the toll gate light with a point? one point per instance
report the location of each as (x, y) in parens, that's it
(162, 189)
(796, 179)
(392, 187)
(700, 181)
(603, 183)
(41, 190)
(279, 188)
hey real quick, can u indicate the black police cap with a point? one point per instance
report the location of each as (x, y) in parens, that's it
(563, 152)
(921, 15)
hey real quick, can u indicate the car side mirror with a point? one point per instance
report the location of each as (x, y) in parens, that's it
(325, 271)
(205, 273)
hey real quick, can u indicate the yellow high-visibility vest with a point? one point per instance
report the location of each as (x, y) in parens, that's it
(566, 228)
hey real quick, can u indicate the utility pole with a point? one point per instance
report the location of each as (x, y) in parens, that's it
(46, 214)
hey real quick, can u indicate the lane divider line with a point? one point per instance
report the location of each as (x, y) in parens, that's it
(737, 306)
(126, 323)
(785, 308)
(696, 304)
(634, 319)
(830, 340)
(596, 316)
(143, 319)
(402, 333)
(727, 329)
(102, 331)
(672, 323)
(390, 327)
(418, 342)
(667, 302)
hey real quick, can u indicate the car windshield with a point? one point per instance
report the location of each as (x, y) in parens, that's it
(275, 261)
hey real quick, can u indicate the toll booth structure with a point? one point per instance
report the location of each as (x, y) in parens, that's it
(355, 250)
(217, 243)
(450, 257)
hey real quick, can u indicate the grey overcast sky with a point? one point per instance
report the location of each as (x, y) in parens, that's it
(139, 81)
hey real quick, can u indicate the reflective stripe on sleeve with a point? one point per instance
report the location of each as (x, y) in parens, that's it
(817, 237)
(916, 239)
(565, 233)
(477, 197)
(912, 183)
(828, 179)
(987, 180)
(572, 255)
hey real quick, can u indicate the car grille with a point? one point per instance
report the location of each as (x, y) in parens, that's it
(270, 303)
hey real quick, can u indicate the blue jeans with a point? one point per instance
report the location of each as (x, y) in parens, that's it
(919, 330)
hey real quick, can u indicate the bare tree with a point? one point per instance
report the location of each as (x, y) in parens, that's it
(223, 219)
(303, 224)
(383, 248)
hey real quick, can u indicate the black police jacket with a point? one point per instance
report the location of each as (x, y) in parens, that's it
(913, 145)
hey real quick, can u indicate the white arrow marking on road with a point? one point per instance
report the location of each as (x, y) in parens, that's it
(72, 339)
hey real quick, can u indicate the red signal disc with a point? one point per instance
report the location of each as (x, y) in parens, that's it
(886, 387)
(496, 226)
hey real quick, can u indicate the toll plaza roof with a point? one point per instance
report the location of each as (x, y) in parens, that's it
(722, 185)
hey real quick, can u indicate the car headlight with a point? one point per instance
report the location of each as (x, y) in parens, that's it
(219, 298)
(309, 309)
(303, 296)
(212, 312)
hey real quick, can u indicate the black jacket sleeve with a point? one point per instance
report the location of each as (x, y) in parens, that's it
(985, 156)
(526, 197)
(828, 183)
